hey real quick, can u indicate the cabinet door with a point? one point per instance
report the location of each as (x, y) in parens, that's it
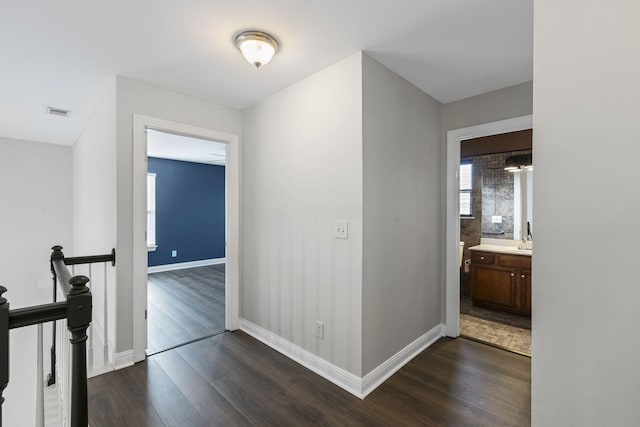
(524, 294)
(494, 286)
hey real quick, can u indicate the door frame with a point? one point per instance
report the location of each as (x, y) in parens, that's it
(452, 256)
(232, 221)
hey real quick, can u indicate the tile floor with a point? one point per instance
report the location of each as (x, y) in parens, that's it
(505, 330)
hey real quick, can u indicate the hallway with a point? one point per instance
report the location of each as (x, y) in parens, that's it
(233, 379)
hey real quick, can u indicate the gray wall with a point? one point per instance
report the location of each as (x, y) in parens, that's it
(402, 247)
(36, 213)
(586, 340)
(513, 101)
(135, 97)
(302, 170)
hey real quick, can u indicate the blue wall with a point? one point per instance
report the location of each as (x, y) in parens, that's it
(189, 211)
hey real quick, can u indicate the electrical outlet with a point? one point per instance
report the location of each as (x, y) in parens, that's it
(319, 330)
(341, 230)
(174, 253)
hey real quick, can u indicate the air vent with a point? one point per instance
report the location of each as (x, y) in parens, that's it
(57, 111)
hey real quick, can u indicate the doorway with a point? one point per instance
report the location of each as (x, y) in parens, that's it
(453, 252)
(188, 281)
(186, 198)
(496, 179)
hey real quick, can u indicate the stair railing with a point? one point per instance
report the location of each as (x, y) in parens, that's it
(61, 350)
(77, 309)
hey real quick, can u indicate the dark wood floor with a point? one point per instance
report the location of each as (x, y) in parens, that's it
(184, 305)
(234, 380)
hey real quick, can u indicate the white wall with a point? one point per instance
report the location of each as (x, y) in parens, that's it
(402, 247)
(302, 170)
(94, 204)
(133, 97)
(586, 321)
(36, 213)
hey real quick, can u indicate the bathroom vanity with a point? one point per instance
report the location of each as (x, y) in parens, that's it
(501, 278)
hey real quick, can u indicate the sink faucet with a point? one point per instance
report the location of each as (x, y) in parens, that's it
(526, 243)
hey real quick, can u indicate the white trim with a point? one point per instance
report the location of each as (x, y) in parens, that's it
(100, 371)
(327, 370)
(99, 340)
(182, 265)
(123, 360)
(151, 213)
(359, 387)
(232, 226)
(373, 379)
(452, 273)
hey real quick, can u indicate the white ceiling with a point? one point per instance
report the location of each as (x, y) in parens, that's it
(177, 147)
(64, 53)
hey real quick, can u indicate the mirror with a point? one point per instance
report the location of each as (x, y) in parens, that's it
(506, 198)
(523, 203)
(499, 201)
(495, 203)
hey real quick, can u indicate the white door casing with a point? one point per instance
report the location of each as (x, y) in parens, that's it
(232, 219)
(452, 273)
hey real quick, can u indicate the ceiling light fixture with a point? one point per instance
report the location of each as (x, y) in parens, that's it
(518, 162)
(257, 47)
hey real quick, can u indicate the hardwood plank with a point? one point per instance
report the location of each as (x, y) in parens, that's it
(174, 408)
(185, 305)
(122, 390)
(200, 394)
(233, 379)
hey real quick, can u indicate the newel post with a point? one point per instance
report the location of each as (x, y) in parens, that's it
(4, 346)
(79, 307)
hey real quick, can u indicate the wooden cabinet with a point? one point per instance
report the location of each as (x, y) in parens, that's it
(501, 281)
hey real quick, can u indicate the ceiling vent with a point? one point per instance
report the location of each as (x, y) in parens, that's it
(58, 111)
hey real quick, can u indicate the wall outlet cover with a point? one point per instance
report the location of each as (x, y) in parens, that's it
(341, 230)
(319, 330)
(174, 253)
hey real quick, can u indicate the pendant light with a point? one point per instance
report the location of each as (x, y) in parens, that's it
(516, 163)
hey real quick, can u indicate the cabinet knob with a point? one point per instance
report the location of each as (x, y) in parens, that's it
(481, 257)
(522, 276)
(512, 274)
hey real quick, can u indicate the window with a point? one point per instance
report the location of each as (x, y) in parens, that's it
(466, 178)
(151, 212)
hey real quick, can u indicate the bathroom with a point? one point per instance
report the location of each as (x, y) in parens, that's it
(496, 233)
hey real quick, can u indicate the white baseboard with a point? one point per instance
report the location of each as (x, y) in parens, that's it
(99, 371)
(373, 379)
(182, 265)
(359, 387)
(123, 360)
(336, 375)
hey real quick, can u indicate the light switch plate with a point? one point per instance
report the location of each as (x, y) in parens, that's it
(496, 219)
(341, 230)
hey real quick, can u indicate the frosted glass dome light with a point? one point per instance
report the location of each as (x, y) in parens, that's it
(257, 47)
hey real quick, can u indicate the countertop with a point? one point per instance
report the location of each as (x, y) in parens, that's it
(503, 249)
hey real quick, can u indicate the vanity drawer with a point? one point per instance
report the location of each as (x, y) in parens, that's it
(482, 257)
(517, 261)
